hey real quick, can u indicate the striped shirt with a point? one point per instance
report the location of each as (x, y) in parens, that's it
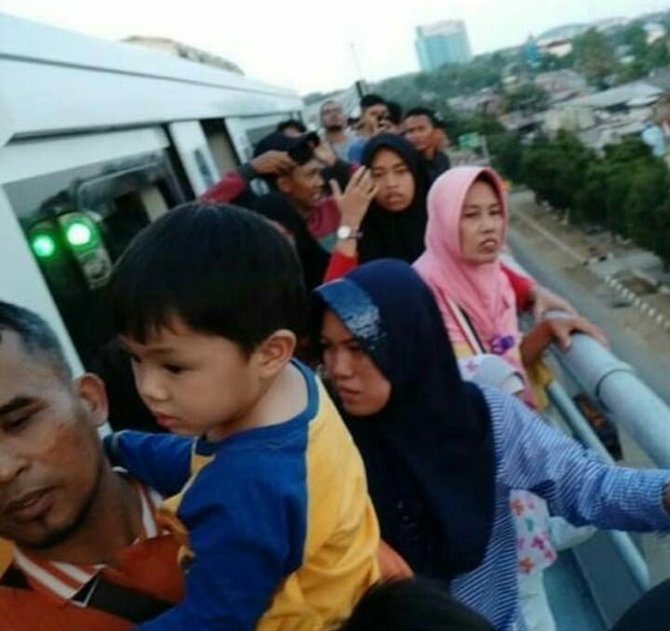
(534, 456)
(148, 565)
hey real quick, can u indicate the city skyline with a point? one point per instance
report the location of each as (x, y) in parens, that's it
(300, 45)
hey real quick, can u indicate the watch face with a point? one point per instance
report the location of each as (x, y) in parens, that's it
(344, 232)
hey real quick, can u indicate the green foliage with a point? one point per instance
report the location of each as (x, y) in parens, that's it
(556, 169)
(506, 154)
(626, 190)
(635, 37)
(594, 57)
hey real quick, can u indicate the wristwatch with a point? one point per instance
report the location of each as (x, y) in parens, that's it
(347, 232)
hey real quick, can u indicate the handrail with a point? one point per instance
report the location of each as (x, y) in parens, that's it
(622, 395)
(629, 552)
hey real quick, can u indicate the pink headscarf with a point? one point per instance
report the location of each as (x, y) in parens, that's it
(482, 291)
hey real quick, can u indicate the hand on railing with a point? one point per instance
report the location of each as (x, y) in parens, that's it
(544, 301)
(557, 329)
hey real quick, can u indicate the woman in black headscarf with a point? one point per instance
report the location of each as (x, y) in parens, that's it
(395, 224)
(442, 456)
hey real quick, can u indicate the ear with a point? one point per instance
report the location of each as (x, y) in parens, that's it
(92, 393)
(284, 184)
(275, 352)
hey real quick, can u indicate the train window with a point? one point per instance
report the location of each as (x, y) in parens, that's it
(220, 144)
(78, 222)
(203, 167)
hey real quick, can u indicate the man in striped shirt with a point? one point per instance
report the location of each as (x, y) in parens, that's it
(80, 546)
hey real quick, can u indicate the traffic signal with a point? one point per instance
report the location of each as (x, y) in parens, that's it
(43, 245)
(72, 235)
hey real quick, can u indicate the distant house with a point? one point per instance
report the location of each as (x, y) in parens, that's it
(521, 122)
(605, 117)
(655, 31)
(562, 84)
(487, 101)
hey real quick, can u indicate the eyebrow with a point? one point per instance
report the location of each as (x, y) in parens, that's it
(159, 350)
(17, 403)
(495, 204)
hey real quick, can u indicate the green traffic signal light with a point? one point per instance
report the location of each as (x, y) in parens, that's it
(79, 234)
(43, 246)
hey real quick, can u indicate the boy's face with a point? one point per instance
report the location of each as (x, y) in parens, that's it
(195, 383)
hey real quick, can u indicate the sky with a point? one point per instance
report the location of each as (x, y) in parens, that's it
(320, 45)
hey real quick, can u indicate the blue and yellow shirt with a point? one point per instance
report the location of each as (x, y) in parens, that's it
(277, 528)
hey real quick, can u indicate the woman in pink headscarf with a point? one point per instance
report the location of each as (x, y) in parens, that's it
(467, 228)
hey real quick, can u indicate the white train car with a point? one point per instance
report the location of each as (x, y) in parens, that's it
(97, 139)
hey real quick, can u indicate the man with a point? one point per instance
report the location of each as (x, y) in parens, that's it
(293, 167)
(394, 117)
(374, 118)
(424, 131)
(292, 128)
(335, 128)
(82, 547)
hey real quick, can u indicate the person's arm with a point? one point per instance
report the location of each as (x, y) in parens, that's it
(352, 205)
(240, 533)
(339, 265)
(558, 330)
(231, 185)
(530, 295)
(541, 300)
(521, 285)
(236, 181)
(539, 458)
(162, 461)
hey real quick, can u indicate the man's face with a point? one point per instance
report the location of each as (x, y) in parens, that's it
(50, 454)
(332, 117)
(419, 131)
(303, 185)
(371, 117)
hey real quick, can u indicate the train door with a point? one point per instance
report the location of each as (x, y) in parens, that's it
(195, 155)
(79, 201)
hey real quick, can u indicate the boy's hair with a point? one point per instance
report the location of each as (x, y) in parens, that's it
(221, 269)
(37, 337)
(412, 605)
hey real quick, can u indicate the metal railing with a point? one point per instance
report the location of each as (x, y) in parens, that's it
(634, 408)
(622, 396)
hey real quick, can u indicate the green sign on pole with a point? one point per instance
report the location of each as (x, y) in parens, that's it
(469, 141)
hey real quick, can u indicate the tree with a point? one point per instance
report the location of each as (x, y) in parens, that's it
(594, 57)
(635, 37)
(506, 154)
(648, 191)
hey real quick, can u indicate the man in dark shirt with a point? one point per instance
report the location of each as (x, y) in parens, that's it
(424, 131)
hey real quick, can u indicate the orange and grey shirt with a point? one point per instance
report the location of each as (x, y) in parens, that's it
(50, 597)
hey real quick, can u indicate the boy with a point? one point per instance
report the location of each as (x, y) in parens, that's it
(270, 500)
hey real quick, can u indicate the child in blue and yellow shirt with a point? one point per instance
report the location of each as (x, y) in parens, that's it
(269, 500)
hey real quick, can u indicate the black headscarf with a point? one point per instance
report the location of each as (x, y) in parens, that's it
(313, 257)
(429, 453)
(398, 235)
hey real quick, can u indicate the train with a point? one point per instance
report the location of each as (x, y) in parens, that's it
(98, 139)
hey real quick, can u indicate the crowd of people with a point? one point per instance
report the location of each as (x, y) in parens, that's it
(348, 430)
